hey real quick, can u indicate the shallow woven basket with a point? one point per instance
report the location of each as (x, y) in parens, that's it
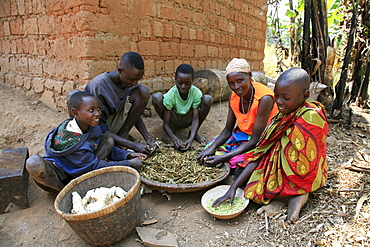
(180, 188)
(112, 223)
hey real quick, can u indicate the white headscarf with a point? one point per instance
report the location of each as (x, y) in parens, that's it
(238, 65)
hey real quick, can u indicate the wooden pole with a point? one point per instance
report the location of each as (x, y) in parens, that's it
(306, 42)
(339, 88)
(365, 86)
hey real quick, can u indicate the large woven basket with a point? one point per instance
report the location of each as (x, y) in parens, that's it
(112, 223)
(181, 188)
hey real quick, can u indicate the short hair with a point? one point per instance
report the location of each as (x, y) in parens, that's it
(185, 69)
(133, 59)
(68, 99)
(76, 99)
(298, 76)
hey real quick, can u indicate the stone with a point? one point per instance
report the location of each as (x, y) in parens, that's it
(156, 237)
(10, 79)
(13, 178)
(19, 80)
(27, 81)
(54, 85)
(48, 99)
(68, 86)
(149, 222)
(38, 84)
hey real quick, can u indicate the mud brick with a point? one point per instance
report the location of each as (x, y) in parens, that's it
(13, 178)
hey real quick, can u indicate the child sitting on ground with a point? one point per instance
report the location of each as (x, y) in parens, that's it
(183, 106)
(78, 146)
(290, 158)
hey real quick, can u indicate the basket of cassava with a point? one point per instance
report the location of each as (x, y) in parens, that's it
(111, 223)
(175, 171)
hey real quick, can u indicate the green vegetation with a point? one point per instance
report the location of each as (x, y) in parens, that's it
(327, 38)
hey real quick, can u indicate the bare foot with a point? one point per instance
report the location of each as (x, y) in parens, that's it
(271, 208)
(199, 138)
(294, 207)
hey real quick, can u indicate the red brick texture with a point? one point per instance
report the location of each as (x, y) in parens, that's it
(45, 43)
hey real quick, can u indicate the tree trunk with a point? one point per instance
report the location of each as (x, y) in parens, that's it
(319, 41)
(365, 86)
(356, 74)
(326, 95)
(339, 88)
(330, 58)
(363, 56)
(306, 41)
(293, 44)
(364, 96)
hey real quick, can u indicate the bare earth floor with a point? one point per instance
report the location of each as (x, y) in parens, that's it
(337, 215)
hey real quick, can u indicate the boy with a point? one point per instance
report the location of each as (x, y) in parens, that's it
(78, 146)
(290, 158)
(183, 106)
(122, 101)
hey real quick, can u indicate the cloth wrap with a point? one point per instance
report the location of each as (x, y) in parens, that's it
(238, 65)
(291, 155)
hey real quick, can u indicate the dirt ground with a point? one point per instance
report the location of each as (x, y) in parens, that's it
(337, 215)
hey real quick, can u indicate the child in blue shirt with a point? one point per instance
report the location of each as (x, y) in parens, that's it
(78, 146)
(182, 106)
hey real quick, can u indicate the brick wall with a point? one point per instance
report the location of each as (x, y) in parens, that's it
(49, 47)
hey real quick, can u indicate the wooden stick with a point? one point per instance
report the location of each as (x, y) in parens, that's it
(335, 120)
(358, 169)
(362, 188)
(267, 223)
(359, 205)
(348, 190)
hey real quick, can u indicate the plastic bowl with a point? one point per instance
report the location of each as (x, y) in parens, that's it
(218, 192)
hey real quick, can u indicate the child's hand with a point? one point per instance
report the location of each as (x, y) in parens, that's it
(136, 163)
(177, 144)
(187, 145)
(151, 147)
(137, 155)
(230, 194)
(141, 148)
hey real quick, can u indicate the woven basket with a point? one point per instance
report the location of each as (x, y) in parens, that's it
(112, 223)
(180, 188)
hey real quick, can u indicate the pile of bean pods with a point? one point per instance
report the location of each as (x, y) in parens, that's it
(168, 165)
